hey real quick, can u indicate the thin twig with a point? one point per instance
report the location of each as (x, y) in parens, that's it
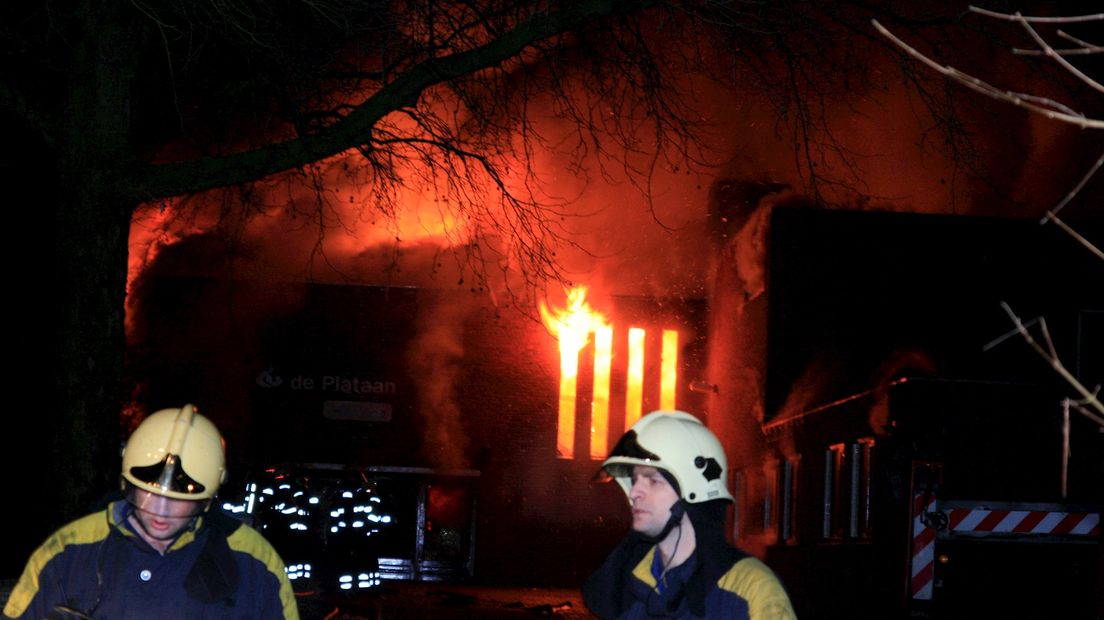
(1049, 51)
(1096, 390)
(1080, 184)
(1062, 34)
(1051, 352)
(1073, 51)
(988, 89)
(1087, 398)
(1088, 414)
(1050, 217)
(1048, 103)
(1013, 332)
(1039, 20)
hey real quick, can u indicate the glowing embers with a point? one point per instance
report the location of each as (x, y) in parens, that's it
(573, 327)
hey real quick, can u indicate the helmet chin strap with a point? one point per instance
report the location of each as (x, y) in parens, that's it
(677, 510)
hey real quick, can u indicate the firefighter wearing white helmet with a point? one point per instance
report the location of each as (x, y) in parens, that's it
(676, 561)
(679, 444)
(162, 551)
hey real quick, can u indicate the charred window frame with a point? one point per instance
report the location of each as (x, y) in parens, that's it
(754, 502)
(787, 492)
(854, 486)
(831, 521)
(848, 501)
(863, 463)
(739, 492)
(770, 484)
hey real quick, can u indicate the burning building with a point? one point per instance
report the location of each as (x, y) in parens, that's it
(476, 432)
(484, 422)
(471, 435)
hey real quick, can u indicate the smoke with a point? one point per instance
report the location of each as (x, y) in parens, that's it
(434, 357)
(900, 365)
(620, 232)
(812, 388)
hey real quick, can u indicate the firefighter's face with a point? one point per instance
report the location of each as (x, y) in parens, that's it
(651, 497)
(163, 518)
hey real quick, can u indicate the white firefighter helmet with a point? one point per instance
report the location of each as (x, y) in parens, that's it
(176, 454)
(679, 444)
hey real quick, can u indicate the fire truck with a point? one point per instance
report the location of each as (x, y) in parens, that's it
(926, 498)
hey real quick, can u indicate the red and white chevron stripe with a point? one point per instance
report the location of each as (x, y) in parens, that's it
(985, 521)
(923, 549)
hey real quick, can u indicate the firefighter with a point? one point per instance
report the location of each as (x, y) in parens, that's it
(675, 561)
(161, 551)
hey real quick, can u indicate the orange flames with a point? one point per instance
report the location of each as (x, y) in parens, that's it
(668, 370)
(634, 392)
(572, 326)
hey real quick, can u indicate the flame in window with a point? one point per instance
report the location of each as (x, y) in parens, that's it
(668, 370)
(572, 326)
(645, 382)
(634, 393)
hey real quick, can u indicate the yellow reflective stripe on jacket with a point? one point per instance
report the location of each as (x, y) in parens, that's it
(753, 581)
(248, 540)
(84, 531)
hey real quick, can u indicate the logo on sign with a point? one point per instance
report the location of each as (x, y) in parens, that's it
(269, 379)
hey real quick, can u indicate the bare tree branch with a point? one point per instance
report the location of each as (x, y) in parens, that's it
(1048, 51)
(1041, 105)
(1080, 184)
(1084, 48)
(1088, 399)
(1053, 110)
(1050, 217)
(177, 178)
(1090, 48)
(989, 90)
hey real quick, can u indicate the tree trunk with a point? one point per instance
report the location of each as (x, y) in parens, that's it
(92, 224)
(91, 275)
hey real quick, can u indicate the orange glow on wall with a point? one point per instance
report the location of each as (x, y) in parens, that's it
(572, 326)
(634, 386)
(599, 408)
(668, 370)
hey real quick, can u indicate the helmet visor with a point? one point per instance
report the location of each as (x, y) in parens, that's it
(162, 506)
(627, 448)
(169, 474)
